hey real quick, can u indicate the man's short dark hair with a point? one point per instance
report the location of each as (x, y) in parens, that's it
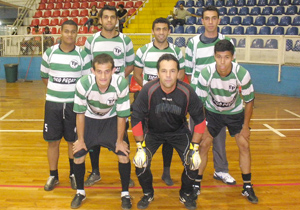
(69, 22)
(121, 5)
(161, 20)
(210, 8)
(167, 57)
(224, 45)
(29, 28)
(103, 58)
(107, 7)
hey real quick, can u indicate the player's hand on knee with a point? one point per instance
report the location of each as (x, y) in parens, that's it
(140, 159)
(122, 147)
(192, 157)
(78, 145)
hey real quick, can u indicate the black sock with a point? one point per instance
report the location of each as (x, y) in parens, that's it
(246, 179)
(79, 171)
(198, 180)
(71, 162)
(166, 172)
(54, 173)
(94, 156)
(124, 170)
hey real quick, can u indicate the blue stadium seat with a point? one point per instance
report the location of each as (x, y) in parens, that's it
(190, 30)
(255, 11)
(230, 3)
(190, 20)
(296, 2)
(288, 45)
(257, 43)
(291, 10)
(179, 2)
(273, 2)
(262, 2)
(199, 11)
(242, 43)
(223, 11)
(171, 28)
(240, 3)
(285, 2)
(297, 46)
(296, 21)
(200, 30)
(238, 30)
(260, 21)
(265, 30)
(271, 44)
(278, 10)
(234, 41)
(210, 3)
(292, 31)
(232, 11)
(170, 39)
(191, 10)
(226, 30)
(179, 30)
(199, 21)
(199, 3)
(279, 30)
(190, 3)
(267, 11)
(180, 42)
(248, 20)
(272, 21)
(285, 21)
(236, 20)
(251, 3)
(244, 11)
(220, 3)
(251, 30)
(225, 20)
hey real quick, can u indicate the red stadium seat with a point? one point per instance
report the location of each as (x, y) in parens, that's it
(101, 5)
(50, 6)
(74, 13)
(82, 21)
(51, 1)
(68, 0)
(76, 1)
(35, 22)
(83, 30)
(134, 86)
(75, 19)
(75, 5)
(112, 3)
(93, 29)
(65, 13)
(138, 4)
(38, 14)
(84, 13)
(67, 5)
(44, 22)
(54, 22)
(41, 30)
(59, 1)
(62, 21)
(120, 2)
(56, 13)
(43, 1)
(41, 7)
(59, 31)
(84, 5)
(47, 13)
(186, 80)
(58, 5)
(52, 30)
(128, 4)
(131, 11)
(93, 4)
(81, 41)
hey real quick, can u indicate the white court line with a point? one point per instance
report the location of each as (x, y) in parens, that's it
(291, 112)
(274, 130)
(8, 113)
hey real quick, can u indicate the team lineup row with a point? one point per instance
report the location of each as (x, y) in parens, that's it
(87, 103)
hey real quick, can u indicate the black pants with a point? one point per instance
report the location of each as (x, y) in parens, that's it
(175, 22)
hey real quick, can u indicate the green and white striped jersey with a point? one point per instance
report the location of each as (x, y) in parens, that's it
(63, 70)
(221, 94)
(97, 105)
(198, 55)
(148, 55)
(120, 48)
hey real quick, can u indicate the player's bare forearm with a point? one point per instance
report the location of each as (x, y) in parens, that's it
(45, 81)
(137, 73)
(197, 137)
(128, 70)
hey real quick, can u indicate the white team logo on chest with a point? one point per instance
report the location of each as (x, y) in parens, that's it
(110, 101)
(74, 64)
(231, 87)
(117, 51)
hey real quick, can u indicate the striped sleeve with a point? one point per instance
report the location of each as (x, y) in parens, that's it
(129, 51)
(45, 68)
(87, 46)
(246, 84)
(202, 87)
(138, 58)
(189, 58)
(87, 63)
(180, 57)
(80, 101)
(123, 101)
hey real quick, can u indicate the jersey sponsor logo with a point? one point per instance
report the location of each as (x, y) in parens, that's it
(74, 64)
(118, 69)
(223, 104)
(110, 101)
(117, 51)
(170, 108)
(152, 77)
(64, 80)
(232, 88)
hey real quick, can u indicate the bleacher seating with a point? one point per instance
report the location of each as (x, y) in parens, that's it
(291, 10)
(199, 11)
(262, 2)
(279, 30)
(190, 20)
(292, 31)
(248, 20)
(289, 45)
(190, 30)
(179, 29)
(239, 30)
(255, 11)
(273, 2)
(189, 3)
(251, 3)
(232, 11)
(199, 3)
(209, 3)
(242, 43)
(240, 3)
(271, 44)
(267, 11)
(191, 10)
(259, 21)
(265, 30)
(285, 2)
(170, 39)
(220, 3)
(236, 20)
(223, 11)
(251, 30)
(225, 20)
(180, 42)
(272, 21)
(230, 3)
(244, 11)
(296, 21)
(285, 21)
(226, 30)
(257, 43)
(279, 10)
(297, 46)
(200, 30)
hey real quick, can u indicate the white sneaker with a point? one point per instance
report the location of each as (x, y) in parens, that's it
(224, 177)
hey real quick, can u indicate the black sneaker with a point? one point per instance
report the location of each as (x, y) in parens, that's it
(167, 180)
(50, 184)
(73, 182)
(77, 201)
(196, 191)
(92, 179)
(126, 202)
(144, 202)
(188, 200)
(249, 193)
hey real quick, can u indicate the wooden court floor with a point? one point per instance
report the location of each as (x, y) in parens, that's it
(275, 144)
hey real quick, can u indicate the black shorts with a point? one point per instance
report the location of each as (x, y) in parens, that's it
(60, 121)
(101, 133)
(215, 122)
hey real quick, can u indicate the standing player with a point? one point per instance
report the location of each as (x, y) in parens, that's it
(145, 70)
(102, 105)
(218, 89)
(120, 48)
(198, 54)
(62, 65)
(164, 103)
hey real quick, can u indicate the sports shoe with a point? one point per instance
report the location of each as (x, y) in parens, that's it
(144, 202)
(92, 179)
(131, 183)
(249, 193)
(50, 184)
(188, 200)
(224, 177)
(77, 201)
(73, 182)
(196, 191)
(126, 202)
(167, 180)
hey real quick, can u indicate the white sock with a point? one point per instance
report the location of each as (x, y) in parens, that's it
(124, 193)
(82, 192)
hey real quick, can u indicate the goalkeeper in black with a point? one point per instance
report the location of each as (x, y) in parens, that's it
(163, 105)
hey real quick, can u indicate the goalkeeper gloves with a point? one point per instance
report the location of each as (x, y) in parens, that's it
(140, 159)
(192, 157)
